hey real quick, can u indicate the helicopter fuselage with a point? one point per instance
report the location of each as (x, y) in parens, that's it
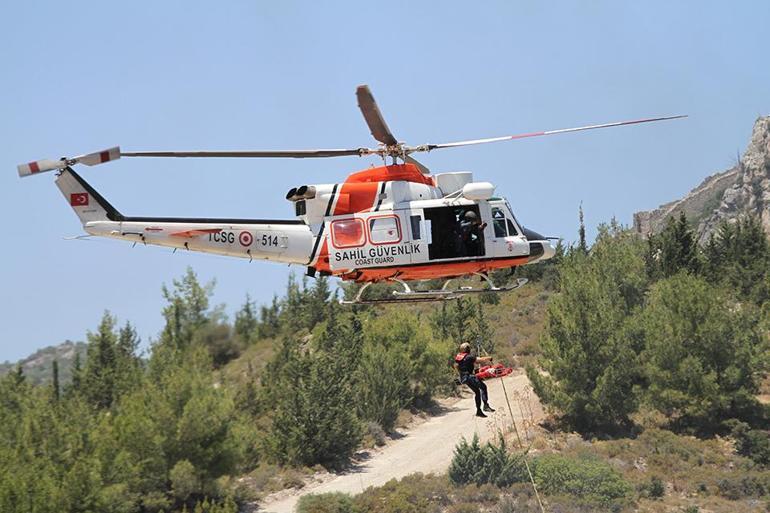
(382, 223)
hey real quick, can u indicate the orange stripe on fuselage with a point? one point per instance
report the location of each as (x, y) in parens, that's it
(430, 271)
(356, 197)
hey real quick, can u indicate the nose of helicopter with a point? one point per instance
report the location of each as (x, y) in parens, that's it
(540, 248)
(548, 250)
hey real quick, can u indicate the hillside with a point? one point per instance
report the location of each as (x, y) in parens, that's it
(38, 366)
(724, 196)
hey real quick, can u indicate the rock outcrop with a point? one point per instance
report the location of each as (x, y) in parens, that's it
(744, 189)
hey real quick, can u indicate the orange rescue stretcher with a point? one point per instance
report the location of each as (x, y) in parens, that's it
(497, 370)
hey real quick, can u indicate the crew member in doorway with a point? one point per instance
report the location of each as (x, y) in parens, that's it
(465, 363)
(472, 231)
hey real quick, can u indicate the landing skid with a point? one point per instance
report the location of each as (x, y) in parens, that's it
(408, 295)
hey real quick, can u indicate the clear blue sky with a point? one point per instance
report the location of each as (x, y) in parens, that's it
(83, 76)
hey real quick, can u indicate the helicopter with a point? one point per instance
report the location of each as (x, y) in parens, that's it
(395, 223)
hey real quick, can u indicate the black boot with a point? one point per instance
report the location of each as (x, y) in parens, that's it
(487, 407)
(480, 413)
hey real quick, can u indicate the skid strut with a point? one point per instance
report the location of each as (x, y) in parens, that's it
(409, 295)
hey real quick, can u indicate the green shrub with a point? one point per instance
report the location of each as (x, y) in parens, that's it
(656, 487)
(326, 503)
(415, 493)
(591, 480)
(752, 443)
(376, 433)
(491, 463)
(747, 485)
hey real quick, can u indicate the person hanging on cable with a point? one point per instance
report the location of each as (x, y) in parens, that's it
(465, 363)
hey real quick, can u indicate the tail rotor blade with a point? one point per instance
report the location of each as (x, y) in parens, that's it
(100, 157)
(89, 159)
(40, 166)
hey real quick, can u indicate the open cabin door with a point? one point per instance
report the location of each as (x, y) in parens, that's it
(452, 235)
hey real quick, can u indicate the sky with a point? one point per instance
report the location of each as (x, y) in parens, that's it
(187, 75)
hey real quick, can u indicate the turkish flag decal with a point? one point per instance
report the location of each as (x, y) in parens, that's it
(79, 199)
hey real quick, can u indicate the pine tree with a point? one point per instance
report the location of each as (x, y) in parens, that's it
(582, 244)
(187, 310)
(128, 365)
(738, 256)
(18, 375)
(77, 373)
(318, 298)
(55, 391)
(673, 250)
(441, 320)
(591, 362)
(482, 334)
(704, 356)
(269, 319)
(246, 323)
(100, 373)
(314, 422)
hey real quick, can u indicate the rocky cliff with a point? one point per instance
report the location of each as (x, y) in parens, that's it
(744, 189)
(38, 367)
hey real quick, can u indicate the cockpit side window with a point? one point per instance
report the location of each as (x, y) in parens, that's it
(512, 225)
(498, 221)
(511, 229)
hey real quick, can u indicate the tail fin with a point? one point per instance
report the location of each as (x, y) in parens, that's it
(88, 204)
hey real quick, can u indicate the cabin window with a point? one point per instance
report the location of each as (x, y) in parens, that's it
(415, 223)
(498, 222)
(511, 229)
(384, 230)
(348, 233)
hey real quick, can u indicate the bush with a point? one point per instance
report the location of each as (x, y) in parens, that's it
(414, 494)
(591, 480)
(384, 386)
(473, 463)
(748, 485)
(752, 443)
(655, 489)
(375, 432)
(326, 503)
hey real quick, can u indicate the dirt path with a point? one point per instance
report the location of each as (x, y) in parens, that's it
(426, 447)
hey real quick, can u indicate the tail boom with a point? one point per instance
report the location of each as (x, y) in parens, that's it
(275, 241)
(279, 240)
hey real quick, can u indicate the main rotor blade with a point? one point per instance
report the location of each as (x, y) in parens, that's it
(297, 154)
(423, 169)
(429, 147)
(373, 116)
